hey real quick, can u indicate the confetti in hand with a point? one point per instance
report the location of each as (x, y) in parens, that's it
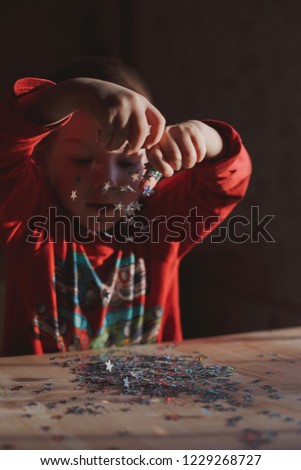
(147, 191)
(150, 179)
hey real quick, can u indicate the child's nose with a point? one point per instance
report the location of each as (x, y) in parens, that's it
(105, 172)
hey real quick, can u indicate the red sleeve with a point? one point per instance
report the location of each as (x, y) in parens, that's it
(22, 190)
(199, 199)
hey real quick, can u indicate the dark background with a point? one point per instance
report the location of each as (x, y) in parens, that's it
(233, 60)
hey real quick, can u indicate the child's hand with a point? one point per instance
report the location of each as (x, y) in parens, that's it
(124, 116)
(182, 146)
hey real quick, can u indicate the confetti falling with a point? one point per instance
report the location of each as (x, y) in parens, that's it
(73, 195)
(118, 206)
(106, 186)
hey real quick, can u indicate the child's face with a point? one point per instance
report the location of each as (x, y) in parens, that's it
(78, 165)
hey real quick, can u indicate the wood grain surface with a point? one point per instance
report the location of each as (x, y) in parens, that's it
(46, 401)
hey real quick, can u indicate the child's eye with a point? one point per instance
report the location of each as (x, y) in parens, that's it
(82, 161)
(127, 163)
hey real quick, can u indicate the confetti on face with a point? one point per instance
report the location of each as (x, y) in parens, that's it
(106, 186)
(73, 195)
(130, 188)
(135, 176)
(118, 206)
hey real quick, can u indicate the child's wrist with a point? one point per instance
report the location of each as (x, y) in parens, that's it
(213, 140)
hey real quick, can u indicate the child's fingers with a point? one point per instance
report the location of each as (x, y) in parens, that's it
(156, 158)
(187, 150)
(149, 180)
(198, 142)
(156, 127)
(138, 130)
(107, 129)
(120, 132)
(171, 152)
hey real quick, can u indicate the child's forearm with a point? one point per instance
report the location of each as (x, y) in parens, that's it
(49, 105)
(214, 143)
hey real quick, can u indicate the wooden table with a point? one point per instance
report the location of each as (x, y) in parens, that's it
(45, 405)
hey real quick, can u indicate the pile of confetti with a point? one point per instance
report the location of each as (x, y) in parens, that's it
(188, 386)
(166, 376)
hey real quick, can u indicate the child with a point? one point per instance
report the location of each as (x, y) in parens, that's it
(83, 270)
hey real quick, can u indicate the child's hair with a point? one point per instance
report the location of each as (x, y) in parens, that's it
(108, 69)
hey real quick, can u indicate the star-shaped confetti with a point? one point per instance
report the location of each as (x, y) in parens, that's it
(126, 382)
(137, 206)
(135, 176)
(147, 191)
(130, 188)
(131, 221)
(152, 173)
(106, 186)
(73, 195)
(130, 210)
(109, 365)
(118, 206)
(135, 374)
(124, 188)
